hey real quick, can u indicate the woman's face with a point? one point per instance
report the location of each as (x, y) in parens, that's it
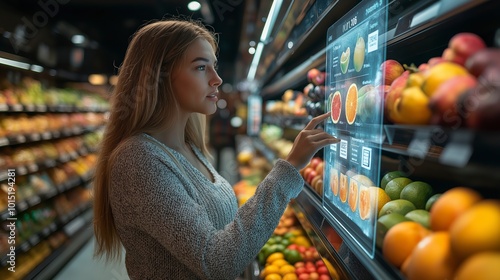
(195, 80)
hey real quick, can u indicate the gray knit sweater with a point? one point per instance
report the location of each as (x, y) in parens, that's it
(179, 225)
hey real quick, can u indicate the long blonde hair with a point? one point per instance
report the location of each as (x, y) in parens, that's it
(142, 101)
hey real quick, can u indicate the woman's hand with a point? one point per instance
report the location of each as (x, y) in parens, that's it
(309, 141)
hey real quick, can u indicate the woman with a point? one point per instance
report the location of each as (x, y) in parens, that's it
(155, 191)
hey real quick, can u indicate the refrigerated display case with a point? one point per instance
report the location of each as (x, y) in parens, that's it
(444, 156)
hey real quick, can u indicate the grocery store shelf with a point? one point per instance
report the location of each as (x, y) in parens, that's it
(79, 231)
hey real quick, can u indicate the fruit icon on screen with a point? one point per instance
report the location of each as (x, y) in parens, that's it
(336, 106)
(353, 195)
(359, 54)
(351, 103)
(334, 181)
(343, 187)
(344, 60)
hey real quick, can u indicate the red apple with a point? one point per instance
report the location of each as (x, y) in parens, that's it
(310, 264)
(303, 276)
(465, 44)
(299, 264)
(315, 161)
(322, 270)
(482, 59)
(300, 270)
(311, 269)
(320, 263)
(313, 276)
(397, 87)
(391, 69)
(450, 55)
(315, 76)
(292, 247)
(311, 176)
(443, 102)
(319, 168)
(324, 277)
(435, 60)
(301, 249)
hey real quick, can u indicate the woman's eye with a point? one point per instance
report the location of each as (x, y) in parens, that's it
(201, 67)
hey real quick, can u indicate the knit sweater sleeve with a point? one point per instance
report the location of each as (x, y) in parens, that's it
(149, 193)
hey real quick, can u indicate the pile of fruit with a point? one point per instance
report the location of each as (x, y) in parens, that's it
(428, 235)
(460, 88)
(289, 255)
(313, 174)
(309, 101)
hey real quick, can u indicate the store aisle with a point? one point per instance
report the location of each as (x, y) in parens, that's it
(83, 267)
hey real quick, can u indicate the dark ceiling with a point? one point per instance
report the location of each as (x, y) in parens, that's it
(108, 24)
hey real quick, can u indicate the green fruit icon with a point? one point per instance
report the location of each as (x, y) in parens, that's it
(344, 60)
(359, 54)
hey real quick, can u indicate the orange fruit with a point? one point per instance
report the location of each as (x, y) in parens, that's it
(275, 256)
(290, 276)
(353, 195)
(432, 258)
(450, 205)
(334, 181)
(400, 240)
(279, 262)
(482, 266)
(273, 276)
(336, 107)
(476, 230)
(351, 103)
(269, 270)
(288, 268)
(343, 187)
(368, 196)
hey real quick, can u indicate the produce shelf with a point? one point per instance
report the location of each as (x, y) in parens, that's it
(353, 259)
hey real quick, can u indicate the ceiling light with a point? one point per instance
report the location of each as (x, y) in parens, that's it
(36, 68)
(266, 31)
(251, 50)
(14, 63)
(194, 6)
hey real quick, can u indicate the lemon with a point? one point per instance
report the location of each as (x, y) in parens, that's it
(417, 193)
(275, 256)
(401, 206)
(420, 216)
(440, 73)
(389, 176)
(395, 186)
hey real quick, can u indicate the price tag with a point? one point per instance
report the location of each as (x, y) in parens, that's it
(459, 150)
(4, 141)
(420, 144)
